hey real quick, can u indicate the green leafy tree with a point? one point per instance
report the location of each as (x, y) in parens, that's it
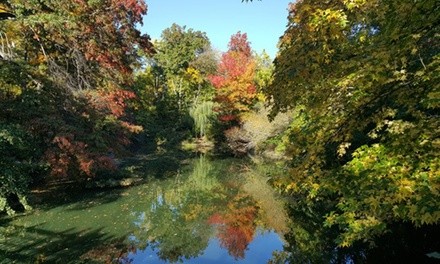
(264, 71)
(364, 78)
(179, 47)
(17, 165)
(202, 113)
(174, 86)
(178, 52)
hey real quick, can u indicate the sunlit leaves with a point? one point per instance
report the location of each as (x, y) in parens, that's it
(179, 48)
(63, 65)
(263, 71)
(104, 32)
(365, 76)
(234, 80)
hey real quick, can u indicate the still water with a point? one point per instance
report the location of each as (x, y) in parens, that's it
(200, 211)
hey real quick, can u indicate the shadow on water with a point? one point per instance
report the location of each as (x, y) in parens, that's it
(68, 246)
(70, 221)
(106, 189)
(309, 242)
(405, 243)
(79, 198)
(157, 166)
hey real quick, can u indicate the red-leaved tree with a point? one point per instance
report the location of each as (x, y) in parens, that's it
(78, 56)
(234, 80)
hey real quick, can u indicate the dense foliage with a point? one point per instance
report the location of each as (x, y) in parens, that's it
(173, 90)
(234, 79)
(63, 68)
(363, 78)
(69, 72)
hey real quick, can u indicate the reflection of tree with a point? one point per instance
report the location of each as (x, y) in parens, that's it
(172, 233)
(184, 212)
(174, 222)
(236, 226)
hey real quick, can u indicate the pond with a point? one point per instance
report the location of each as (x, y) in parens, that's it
(205, 211)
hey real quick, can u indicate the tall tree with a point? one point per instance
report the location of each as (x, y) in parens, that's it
(73, 36)
(364, 79)
(234, 80)
(177, 53)
(174, 82)
(179, 47)
(264, 71)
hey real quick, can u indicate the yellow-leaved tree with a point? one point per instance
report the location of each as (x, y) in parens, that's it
(364, 78)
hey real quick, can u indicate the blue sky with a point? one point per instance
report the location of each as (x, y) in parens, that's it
(263, 21)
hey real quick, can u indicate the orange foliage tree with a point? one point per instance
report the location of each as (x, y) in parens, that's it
(234, 80)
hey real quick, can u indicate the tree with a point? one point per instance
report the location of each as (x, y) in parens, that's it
(234, 80)
(75, 37)
(263, 72)
(63, 66)
(363, 78)
(202, 114)
(174, 85)
(178, 49)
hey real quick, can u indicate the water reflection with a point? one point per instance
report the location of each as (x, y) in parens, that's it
(197, 210)
(236, 226)
(258, 252)
(210, 211)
